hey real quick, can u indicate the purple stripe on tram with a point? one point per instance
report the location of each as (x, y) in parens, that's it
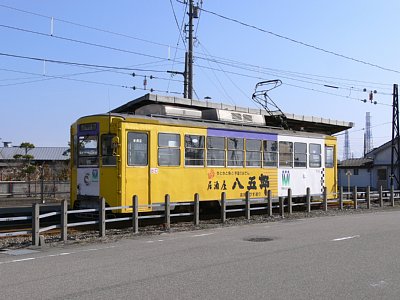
(242, 134)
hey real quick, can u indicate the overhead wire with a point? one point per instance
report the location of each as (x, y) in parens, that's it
(300, 42)
(79, 41)
(66, 77)
(86, 26)
(177, 44)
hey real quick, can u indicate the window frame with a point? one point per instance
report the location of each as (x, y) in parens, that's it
(274, 153)
(194, 148)
(228, 150)
(332, 148)
(147, 149)
(224, 149)
(260, 160)
(178, 148)
(102, 156)
(87, 156)
(297, 153)
(311, 160)
(289, 154)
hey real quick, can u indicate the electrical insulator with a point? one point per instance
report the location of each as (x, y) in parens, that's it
(371, 96)
(145, 82)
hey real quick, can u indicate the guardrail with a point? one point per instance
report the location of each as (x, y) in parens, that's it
(283, 204)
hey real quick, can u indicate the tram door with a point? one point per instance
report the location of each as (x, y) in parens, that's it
(137, 167)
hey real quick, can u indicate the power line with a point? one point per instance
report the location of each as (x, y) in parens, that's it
(65, 77)
(79, 41)
(177, 24)
(300, 42)
(86, 26)
(79, 64)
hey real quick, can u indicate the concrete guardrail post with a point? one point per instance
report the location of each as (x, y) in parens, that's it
(325, 199)
(392, 195)
(368, 197)
(355, 198)
(308, 199)
(64, 220)
(269, 203)
(196, 210)
(167, 212)
(223, 207)
(381, 196)
(102, 217)
(289, 197)
(341, 198)
(35, 224)
(135, 214)
(247, 200)
(282, 206)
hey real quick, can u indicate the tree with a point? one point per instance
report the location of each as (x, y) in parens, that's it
(28, 169)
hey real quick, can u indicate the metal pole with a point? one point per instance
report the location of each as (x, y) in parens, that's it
(64, 220)
(102, 217)
(35, 224)
(289, 201)
(392, 195)
(223, 207)
(341, 198)
(368, 196)
(325, 197)
(247, 205)
(355, 197)
(135, 214)
(196, 218)
(167, 212)
(308, 199)
(41, 184)
(381, 196)
(282, 206)
(269, 199)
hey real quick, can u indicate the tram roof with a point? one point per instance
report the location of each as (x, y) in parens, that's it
(295, 122)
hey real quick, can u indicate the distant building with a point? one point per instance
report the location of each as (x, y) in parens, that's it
(373, 170)
(54, 158)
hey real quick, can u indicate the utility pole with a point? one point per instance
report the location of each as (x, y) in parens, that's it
(185, 77)
(190, 54)
(395, 163)
(346, 154)
(193, 13)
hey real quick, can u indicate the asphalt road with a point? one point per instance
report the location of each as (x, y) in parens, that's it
(341, 257)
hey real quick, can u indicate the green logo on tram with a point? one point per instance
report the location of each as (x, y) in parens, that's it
(285, 178)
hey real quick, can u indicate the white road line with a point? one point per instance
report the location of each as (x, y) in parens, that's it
(53, 255)
(203, 234)
(345, 238)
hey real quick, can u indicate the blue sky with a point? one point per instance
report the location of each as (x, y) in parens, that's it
(38, 106)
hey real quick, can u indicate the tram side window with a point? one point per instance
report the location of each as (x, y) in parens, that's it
(253, 153)
(216, 151)
(88, 150)
(270, 153)
(194, 150)
(137, 149)
(315, 156)
(235, 152)
(300, 155)
(286, 154)
(168, 149)
(107, 157)
(329, 157)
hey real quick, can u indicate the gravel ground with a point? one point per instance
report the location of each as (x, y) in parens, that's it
(90, 236)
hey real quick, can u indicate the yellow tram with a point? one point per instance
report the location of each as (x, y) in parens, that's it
(157, 145)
